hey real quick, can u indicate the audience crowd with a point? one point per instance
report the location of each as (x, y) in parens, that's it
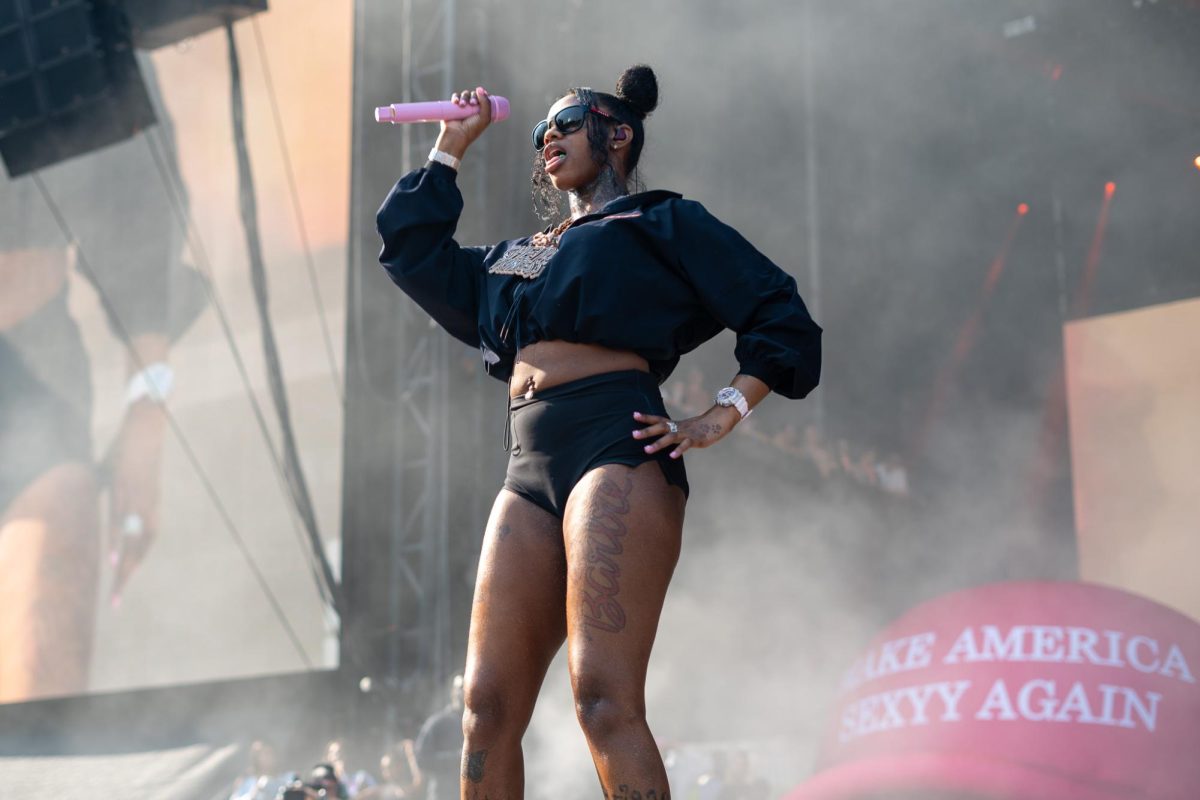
(396, 777)
(696, 773)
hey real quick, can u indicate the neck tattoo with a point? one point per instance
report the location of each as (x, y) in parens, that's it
(591, 198)
(528, 261)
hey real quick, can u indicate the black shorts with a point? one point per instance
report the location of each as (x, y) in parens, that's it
(44, 413)
(563, 432)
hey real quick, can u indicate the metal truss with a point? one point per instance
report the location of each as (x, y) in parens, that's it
(420, 603)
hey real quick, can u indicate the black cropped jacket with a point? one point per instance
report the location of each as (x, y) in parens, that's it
(652, 273)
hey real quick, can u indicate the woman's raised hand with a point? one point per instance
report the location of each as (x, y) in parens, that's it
(457, 134)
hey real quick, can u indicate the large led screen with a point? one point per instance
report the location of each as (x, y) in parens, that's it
(147, 543)
(1133, 387)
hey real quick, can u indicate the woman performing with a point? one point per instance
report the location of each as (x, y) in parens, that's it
(584, 321)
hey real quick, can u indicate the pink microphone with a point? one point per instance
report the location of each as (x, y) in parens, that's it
(437, 110)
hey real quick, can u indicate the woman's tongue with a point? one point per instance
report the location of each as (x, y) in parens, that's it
(555, 161)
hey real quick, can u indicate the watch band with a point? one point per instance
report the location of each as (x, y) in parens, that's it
(731, 396)
(444, 158)
(154, 382)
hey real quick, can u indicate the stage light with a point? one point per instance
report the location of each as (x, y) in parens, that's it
(1109, 188)
(1023, 209)
(1020, 27)
(1197, 162)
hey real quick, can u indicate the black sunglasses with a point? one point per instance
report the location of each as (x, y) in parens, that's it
(567, 120)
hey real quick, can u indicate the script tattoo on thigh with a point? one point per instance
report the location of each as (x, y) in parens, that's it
(472, 768)
(623, 792)
(605, 530)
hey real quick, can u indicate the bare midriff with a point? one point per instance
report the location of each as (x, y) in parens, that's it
(542, 365)
(28, 280)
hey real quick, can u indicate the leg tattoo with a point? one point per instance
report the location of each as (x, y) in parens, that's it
(472, 768)
(623, 792)
(605, 530)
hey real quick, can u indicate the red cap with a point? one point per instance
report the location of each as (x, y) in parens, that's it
(1060, 690)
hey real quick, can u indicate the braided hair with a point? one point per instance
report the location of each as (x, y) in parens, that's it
(636, 96)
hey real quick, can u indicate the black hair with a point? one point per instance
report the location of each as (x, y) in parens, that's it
(636, 97)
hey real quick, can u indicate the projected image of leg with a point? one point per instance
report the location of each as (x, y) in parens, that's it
(49, 557)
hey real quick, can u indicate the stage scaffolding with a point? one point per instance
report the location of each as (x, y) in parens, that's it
(402, 529)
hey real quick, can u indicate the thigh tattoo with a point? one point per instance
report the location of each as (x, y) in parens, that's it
(606, 529)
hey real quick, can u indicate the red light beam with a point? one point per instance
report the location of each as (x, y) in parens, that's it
(1054, 410)
(964, 343)
(1084, 296)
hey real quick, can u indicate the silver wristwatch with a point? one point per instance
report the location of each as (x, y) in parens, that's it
(730, 396)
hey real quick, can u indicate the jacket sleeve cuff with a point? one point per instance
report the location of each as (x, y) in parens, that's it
(761, 370)
(439, 169)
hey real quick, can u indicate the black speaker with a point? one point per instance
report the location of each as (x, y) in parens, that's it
(162, 22)
(69, 82)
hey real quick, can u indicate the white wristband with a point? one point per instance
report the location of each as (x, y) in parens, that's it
(153, 382)
(444, 158)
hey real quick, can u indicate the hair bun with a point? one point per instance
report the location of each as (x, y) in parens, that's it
(638, 87)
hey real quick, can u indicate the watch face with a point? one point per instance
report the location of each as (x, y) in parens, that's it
(727, 396)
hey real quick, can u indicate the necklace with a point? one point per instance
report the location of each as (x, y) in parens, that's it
(550, 239)
(529, 260)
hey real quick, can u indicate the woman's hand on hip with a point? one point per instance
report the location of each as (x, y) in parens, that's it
(702, 431)
(458, 134)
